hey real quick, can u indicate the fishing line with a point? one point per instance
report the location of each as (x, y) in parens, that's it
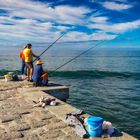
(77, 56)
(50, 45)
(80, 54)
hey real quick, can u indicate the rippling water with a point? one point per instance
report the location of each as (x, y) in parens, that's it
(102, 83)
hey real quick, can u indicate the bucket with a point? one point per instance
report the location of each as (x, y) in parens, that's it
(95, 126)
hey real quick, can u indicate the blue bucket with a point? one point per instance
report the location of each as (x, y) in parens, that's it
(95, 126)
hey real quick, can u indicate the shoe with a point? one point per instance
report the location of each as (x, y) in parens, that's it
(31, 80)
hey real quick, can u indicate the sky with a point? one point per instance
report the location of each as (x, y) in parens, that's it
(43, 21)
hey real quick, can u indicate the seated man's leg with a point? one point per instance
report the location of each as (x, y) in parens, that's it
(45, 78)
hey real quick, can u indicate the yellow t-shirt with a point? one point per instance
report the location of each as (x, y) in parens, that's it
(28, 55)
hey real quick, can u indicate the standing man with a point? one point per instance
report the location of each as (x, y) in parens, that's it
(23, 60)
(28, 54)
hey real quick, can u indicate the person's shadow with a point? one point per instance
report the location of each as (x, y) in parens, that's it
(116, 133)
(53, 85)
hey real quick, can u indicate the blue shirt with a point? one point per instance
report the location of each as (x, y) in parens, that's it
(38, 71)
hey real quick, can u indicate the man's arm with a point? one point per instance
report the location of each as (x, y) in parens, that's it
(35, 55)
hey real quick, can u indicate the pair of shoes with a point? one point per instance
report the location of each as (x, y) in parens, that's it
(31, 80)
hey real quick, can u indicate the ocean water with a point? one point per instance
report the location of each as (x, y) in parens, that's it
(102, 82)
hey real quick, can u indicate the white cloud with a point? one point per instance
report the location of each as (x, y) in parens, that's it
(76, 36)
(62, 28)
(37, 10)
(118, 27)
(116, 6)
(29, 29)
(42, 23)
(71, 15)
(81, 36)
(100, 35)
(98, 19)
(23, 24)
(31, 13)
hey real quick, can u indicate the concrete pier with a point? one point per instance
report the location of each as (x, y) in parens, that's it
(19, 120)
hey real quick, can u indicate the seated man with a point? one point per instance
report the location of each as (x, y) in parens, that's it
(39, 76)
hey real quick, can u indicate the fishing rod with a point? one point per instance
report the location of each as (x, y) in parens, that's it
(55, 42)
(77, 56)
(50, 46)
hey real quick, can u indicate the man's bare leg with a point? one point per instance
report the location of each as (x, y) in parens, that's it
(31, 73)
(28, 74)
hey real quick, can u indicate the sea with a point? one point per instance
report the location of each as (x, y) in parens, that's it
(102, 82)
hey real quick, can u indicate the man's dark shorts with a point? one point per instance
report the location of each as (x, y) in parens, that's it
(29, 64)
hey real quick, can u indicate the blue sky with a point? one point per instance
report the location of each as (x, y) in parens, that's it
(41, 21)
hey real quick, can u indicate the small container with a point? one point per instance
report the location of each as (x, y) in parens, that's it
(8, 77)
(11, 73)
(95, 126)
